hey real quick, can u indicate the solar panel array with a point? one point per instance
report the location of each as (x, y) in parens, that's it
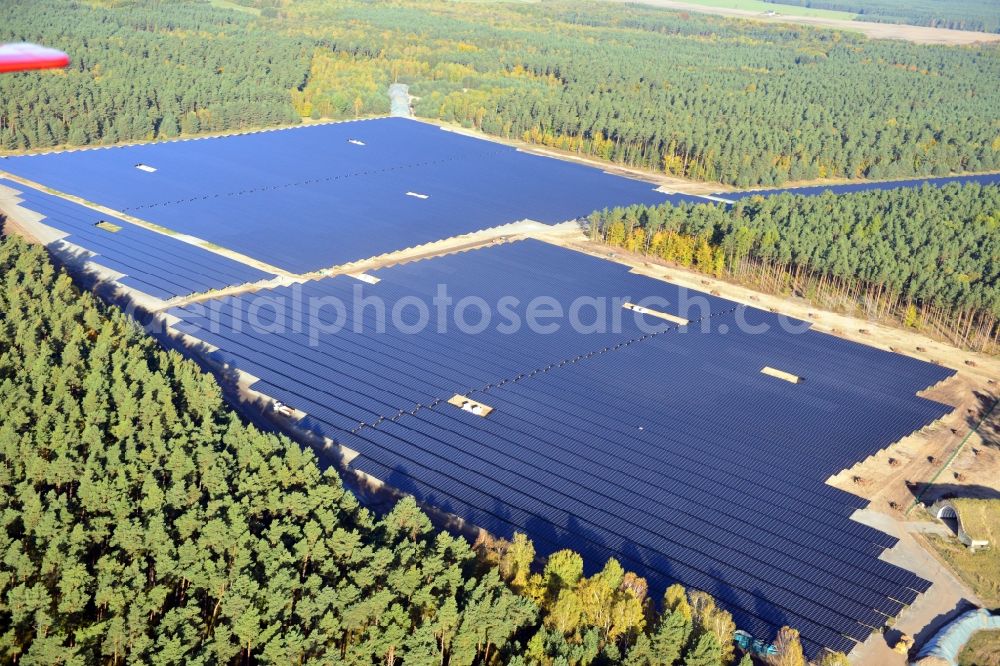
(324, 195)
(982, 179)
(668, 450)
(153, 263)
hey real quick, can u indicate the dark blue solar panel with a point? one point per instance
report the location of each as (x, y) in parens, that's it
(154, 263)
(308, 198)
(982, 179)
(668, 450)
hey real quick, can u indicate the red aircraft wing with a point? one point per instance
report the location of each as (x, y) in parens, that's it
(24, 57)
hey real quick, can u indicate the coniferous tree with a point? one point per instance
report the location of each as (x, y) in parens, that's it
(705, 652)
(912, 255)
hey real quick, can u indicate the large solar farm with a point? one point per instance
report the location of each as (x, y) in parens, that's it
(689, 436)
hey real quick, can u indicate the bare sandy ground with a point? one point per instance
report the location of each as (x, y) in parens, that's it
(909, 33)
(440, 248)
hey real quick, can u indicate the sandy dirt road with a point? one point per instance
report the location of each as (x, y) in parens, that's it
(909, 33)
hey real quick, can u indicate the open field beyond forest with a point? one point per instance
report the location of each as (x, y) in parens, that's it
(789, 14)
(760, 7)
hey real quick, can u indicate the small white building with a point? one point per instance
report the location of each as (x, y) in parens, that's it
(948, 510)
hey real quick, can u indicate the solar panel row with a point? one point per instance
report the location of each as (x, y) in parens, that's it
(325, 195)
(153, 263)
(906, 596)
(668, 450)
(317, 196)
(982, 179)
